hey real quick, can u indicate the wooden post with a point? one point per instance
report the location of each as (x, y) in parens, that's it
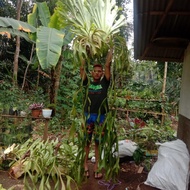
(163, 90)
(45, 136)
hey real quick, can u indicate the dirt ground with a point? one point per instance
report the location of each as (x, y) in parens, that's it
(129, 178)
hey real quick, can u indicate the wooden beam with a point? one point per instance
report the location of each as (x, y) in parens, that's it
(163, 59)
(142, 111)
(168, 46)
(155, 13)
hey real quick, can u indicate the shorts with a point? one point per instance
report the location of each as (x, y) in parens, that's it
(93, 124)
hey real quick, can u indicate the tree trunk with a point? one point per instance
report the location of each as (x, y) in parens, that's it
(28, 64)
(55, 81)
(17, 51)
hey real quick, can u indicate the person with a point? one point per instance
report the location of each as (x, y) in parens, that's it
(96, 107)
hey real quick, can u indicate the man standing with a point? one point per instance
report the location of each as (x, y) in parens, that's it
(96, 107)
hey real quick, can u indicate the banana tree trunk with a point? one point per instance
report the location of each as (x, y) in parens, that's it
(55, 81)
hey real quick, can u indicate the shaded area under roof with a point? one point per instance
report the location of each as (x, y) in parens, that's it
(161, 29)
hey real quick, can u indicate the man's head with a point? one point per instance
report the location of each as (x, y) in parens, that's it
(97, 65)
(97, 72)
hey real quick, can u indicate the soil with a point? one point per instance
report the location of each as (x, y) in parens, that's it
(130, 177)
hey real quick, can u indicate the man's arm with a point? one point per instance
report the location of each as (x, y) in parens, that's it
(82, 70)
(107, 71)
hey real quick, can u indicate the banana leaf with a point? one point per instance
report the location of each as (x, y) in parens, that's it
(17, 25)
(48, 46)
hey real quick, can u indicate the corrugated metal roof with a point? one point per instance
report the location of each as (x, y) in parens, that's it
(161, 29)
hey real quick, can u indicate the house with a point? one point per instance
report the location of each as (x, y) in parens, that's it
(162, 33)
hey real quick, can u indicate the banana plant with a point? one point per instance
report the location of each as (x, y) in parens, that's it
(48, 39)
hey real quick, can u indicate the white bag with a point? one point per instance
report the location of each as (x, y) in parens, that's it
(171, 170)
(126, 148)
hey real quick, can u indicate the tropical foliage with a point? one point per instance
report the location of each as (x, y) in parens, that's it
(95, 25)
(49, 32)
(49, 41)
(50, 161)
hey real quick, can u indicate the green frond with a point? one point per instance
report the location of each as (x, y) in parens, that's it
(93, 23)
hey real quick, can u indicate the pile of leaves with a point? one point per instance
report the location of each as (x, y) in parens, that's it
(47, 164)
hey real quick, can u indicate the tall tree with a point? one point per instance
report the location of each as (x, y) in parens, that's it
(16, 55)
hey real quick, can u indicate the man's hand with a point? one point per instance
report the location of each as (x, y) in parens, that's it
(109, 56)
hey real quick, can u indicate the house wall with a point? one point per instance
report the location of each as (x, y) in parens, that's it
(183, 132)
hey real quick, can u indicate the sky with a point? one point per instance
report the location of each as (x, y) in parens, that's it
(130, 20)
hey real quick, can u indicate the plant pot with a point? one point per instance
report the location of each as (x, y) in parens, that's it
(46, 113)
(36, 113)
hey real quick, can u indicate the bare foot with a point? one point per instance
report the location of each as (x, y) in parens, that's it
(86, 173)
(98, 175)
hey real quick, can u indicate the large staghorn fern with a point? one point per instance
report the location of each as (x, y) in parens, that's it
(104, 14)
(94, 24)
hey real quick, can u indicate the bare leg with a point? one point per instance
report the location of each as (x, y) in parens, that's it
(87, 150)
(97, 174)
(96, 156)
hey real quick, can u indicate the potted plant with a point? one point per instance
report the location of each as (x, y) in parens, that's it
(36, 109)
(47, 112)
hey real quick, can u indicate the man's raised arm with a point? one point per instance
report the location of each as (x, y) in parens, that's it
(82, 70)
(107, 71)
